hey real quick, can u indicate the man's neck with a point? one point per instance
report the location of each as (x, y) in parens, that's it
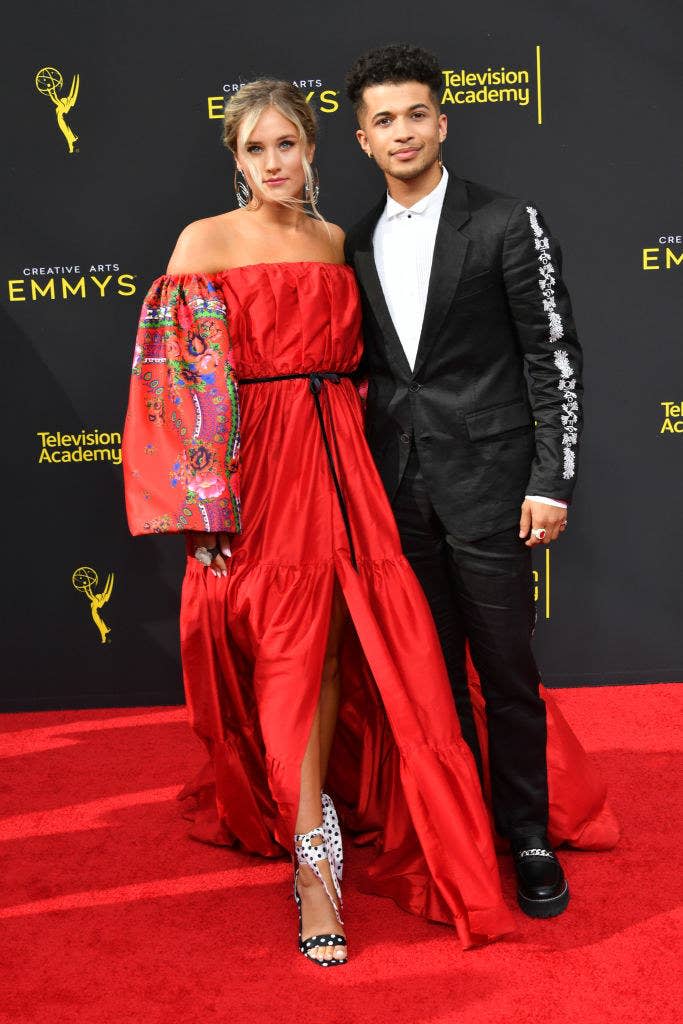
(411, 191)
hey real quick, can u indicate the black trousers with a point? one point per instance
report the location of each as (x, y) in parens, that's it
(482, 591)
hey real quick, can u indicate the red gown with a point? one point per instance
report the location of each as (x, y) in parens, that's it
(196, 458)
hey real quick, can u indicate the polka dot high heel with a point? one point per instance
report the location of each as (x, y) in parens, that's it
(311, 848)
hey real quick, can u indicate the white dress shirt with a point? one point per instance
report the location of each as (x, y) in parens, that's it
(404, 246)
(403, 243)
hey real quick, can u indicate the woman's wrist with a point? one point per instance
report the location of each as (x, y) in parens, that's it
(203, 540)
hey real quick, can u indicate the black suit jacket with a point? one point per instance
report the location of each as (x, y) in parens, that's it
(498, 352)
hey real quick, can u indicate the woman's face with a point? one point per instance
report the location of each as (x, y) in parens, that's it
(274, 151)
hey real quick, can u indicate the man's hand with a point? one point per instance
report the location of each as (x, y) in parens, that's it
(538, 516)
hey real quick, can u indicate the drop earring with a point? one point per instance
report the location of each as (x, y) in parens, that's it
(242, 190)
(313, 200)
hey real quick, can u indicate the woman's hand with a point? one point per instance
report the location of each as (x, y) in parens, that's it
(218, 566)
(216, 548)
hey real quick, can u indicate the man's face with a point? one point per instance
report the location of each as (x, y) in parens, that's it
(401, 128)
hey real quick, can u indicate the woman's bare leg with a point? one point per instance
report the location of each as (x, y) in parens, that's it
(331, 689)
(317, 912)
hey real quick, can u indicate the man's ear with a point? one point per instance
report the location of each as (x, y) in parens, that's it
(363, 142)
(443, 127)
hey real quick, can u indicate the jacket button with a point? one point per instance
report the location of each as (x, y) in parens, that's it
(415, 386)
(405, 438)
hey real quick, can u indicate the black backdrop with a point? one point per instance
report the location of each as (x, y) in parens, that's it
(600, 153)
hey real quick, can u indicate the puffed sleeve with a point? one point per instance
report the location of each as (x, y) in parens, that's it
(181, 437)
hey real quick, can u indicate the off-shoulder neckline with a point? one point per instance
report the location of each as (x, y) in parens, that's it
(251, 266)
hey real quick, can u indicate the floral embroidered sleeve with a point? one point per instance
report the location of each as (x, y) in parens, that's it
(181, 437)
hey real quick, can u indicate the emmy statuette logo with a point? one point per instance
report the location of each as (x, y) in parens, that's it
(86, 579)
(49, 82)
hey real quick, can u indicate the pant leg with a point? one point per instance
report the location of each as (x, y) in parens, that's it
(424, 545)
(493, 583)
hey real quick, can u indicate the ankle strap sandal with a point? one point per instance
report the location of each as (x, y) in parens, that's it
(333, 837)
(310, 849)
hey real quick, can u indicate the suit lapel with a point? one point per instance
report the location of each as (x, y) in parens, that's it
(450, 249)
(366, 269)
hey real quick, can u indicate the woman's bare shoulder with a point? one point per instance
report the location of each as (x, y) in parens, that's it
(334, 237)
(201, 246)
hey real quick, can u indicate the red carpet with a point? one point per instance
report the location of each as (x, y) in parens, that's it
(110, 915)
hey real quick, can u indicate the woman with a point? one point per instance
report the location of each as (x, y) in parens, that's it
(297, 585)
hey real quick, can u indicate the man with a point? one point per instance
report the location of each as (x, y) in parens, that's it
(469, 339)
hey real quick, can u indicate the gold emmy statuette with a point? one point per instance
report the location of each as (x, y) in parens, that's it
(48, 82)
(85, 579)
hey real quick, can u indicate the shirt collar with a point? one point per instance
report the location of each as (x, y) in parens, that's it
(432, 199)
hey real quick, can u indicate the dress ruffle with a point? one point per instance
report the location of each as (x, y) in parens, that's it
(253, 642)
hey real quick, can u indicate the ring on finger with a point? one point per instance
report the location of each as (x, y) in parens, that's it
(206, 555)
(539, 533)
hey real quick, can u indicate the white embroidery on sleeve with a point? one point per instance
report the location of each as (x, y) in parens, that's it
(570, 413)
(546, 277)
(567, 382)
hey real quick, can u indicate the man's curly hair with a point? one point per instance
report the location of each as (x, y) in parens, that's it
(397, 63)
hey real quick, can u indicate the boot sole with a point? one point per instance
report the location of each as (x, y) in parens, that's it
(550, 907)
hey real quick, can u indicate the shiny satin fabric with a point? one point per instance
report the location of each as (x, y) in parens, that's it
(253, 642)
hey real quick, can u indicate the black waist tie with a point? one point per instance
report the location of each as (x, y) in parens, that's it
(315, 383)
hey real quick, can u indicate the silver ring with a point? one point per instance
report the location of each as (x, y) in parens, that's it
(539, 533)
(206, 555)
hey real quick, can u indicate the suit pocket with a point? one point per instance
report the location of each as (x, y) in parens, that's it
(498, 420)
(474, 285)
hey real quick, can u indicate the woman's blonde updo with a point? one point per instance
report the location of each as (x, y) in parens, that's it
(245, 107)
